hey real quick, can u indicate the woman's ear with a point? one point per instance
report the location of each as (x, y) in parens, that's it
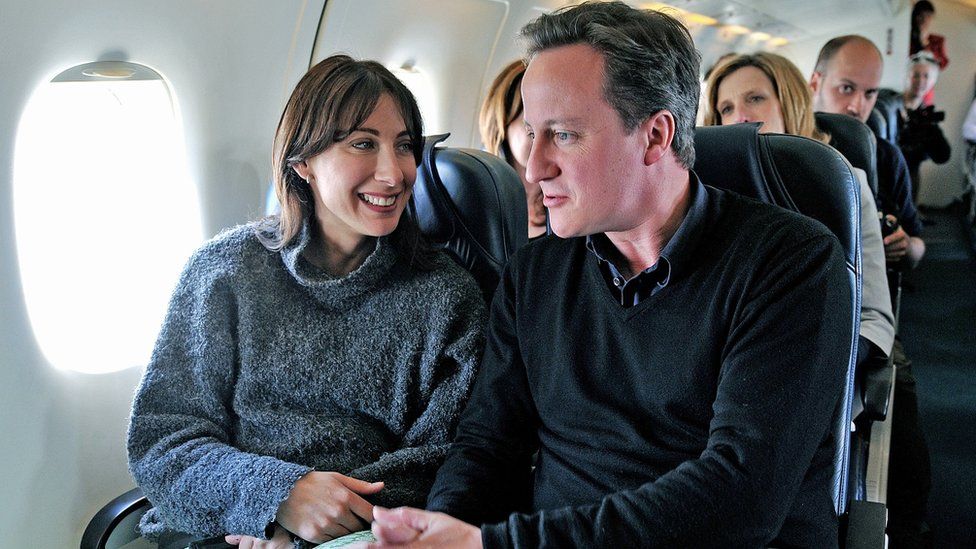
(302, 169)
(659, 129)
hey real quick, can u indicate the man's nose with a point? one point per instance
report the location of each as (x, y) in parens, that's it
(539, 166)
(854, 106)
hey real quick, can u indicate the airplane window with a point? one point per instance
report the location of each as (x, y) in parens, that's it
(417, 81)
(105, 213)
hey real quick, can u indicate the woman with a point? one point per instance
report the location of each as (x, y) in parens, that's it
(761, 87)
(768, 88)
(923, 39)
(313, 363)
(503, 134)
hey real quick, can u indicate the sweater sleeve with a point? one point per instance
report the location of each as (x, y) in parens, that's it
(487, 472)
(453, 348)
(778, 386)
(180, 440)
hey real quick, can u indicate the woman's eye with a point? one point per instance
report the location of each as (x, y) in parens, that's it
(725, 111)
(756, 98)
(363, 145)
(405, 147)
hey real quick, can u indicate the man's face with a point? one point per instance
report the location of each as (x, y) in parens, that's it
(849, 83)
(581, 155)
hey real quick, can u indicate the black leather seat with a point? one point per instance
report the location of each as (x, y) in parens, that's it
(472, 205)
(854, 140)
(811, 178)
(467, 202)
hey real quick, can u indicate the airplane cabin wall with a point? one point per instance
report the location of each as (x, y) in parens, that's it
(943, 184)
(230, 64)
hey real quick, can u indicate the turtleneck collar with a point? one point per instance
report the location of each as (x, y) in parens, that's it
(334, 291)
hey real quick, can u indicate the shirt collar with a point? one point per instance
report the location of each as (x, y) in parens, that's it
(680, 247)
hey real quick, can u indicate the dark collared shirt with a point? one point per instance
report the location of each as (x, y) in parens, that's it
(656, 277)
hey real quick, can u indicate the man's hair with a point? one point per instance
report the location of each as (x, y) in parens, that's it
(830, 49)
(651, 62)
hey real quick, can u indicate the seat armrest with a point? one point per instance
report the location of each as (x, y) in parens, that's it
(876, 386)
(108, 518)
(864, 527)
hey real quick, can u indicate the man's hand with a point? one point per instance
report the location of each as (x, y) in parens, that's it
(412, 528)
(896, 244)
(323, 506)
(280, 540)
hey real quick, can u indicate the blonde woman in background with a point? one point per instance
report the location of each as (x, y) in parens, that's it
(503, 134)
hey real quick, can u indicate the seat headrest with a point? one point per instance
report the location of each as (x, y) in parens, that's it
(471, 204)
(793, 172)
(878, 124)
(888, 103)
(855, 141)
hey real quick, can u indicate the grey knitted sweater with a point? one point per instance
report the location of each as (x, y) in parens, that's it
(266, 367)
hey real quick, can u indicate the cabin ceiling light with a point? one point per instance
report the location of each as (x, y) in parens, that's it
(778, 41)
(107, 71)
(760, 36)
(736, 29)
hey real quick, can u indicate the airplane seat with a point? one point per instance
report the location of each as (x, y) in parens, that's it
(873, 381)
(114, 525)
(471, 204)
(808, 177)
(467, 202)
(854, 140)
(887, 105)
(877, 123)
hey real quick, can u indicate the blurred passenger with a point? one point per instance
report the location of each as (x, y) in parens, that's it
(768, 88)
(923, 39)
(315, 362)
(845, 80)
(503, 133)
(969, 134)
(919, 136)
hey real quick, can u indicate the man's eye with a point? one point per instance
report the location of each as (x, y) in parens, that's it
(563, 137)
(846, 90)
(531, 135)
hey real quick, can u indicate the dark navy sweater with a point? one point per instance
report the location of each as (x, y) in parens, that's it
(699, 417)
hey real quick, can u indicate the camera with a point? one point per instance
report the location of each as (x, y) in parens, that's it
(925, 115)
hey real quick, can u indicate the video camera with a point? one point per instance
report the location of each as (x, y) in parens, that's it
(925, 115)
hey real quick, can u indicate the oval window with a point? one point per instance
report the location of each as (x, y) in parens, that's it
(105, 213)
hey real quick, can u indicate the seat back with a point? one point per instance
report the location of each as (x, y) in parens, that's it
(878, 124)
(808, 177)
(471, 204)
(887, 105)
(855, 141)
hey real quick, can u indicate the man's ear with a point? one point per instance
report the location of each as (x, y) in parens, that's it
(659, 129)
(302, 169)
(815, 81)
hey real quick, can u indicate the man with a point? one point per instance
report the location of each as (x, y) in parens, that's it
(845, 81)
(671, 361)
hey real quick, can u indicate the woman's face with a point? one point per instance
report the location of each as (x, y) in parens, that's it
(518, 141)
(362, 183)
(747, 95)
(921, 79)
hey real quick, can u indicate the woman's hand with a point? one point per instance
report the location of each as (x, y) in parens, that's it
(326, 505)
(280, 540)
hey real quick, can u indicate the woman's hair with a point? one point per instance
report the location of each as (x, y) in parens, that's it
(502, 105)
(791, 90)
(333, 99)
